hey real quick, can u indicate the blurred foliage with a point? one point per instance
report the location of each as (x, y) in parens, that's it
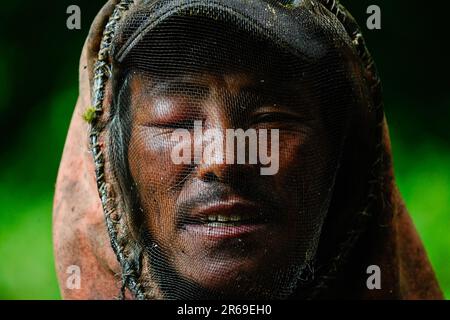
(38, 89)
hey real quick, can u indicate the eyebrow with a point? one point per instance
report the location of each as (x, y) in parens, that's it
(272, 89)
(180, 86)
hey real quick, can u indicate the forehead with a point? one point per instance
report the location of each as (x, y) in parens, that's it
(239, 92)
(232, 82)
(230, 95)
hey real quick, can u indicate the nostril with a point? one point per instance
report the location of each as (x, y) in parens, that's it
(209, 177)
(215, 172)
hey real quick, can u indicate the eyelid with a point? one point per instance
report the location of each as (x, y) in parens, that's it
(282, 113)
(184, 124)
(273, 117)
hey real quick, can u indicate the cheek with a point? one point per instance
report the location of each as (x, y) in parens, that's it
(292, 148)
(153, 171)
(304, 165)
(303, 183)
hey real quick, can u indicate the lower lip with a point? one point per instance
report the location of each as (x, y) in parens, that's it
(225, 232)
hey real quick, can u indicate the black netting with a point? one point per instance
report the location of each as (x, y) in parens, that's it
(226, 127)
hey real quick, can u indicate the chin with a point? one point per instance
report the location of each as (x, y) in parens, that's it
(238, 278)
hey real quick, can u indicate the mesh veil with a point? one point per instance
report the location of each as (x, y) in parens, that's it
(204, 227)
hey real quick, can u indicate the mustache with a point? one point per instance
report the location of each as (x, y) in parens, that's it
(215, 192)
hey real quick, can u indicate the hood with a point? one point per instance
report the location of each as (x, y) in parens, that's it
(366, 224)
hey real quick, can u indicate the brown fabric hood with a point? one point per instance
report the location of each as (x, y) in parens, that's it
(368, 223)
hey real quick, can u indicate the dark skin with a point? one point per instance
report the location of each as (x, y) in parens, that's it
(233, 259)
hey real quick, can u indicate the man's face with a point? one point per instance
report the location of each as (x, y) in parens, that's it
(225, 226)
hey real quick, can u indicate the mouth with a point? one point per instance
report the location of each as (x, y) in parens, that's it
(231, 220)
(227, 219)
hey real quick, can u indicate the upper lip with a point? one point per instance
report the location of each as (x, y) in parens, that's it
(225, 208)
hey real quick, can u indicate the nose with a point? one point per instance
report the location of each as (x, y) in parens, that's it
(219, 160)
(212, 173)
(213, 165)
(219, 151)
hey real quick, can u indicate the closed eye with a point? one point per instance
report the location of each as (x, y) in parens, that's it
(187, 124)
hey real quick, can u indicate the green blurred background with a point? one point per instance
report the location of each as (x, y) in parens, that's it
(39, 86)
